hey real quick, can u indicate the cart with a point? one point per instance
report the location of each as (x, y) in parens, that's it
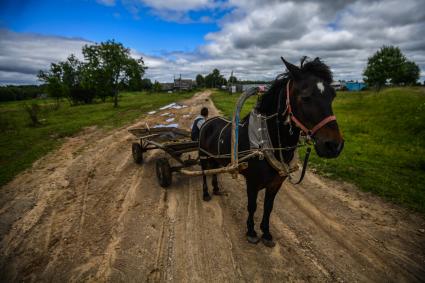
(176, 141)
(173, 141)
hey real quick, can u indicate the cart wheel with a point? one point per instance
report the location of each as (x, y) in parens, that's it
(136, 149)
(163, 172)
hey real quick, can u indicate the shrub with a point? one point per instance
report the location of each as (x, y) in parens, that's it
(33, 110)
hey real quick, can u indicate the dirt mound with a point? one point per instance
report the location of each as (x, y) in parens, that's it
(87, 212)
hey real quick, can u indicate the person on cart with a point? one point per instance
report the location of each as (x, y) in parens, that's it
(197, 123)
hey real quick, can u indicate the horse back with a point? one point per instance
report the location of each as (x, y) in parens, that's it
(215, 136)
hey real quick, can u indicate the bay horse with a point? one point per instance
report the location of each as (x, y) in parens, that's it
(298, 100)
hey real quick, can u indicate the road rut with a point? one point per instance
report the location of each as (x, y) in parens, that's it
(87, 212)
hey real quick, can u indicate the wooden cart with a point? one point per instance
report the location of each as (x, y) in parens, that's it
(175, 142)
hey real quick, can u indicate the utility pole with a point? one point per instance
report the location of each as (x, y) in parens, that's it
(230, 82)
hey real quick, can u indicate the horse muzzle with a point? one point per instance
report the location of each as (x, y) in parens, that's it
(329, 148)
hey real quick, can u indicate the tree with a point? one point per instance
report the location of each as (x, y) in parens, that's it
(410, 73)
(156, 87)
(134, 70)
(110, 64)
(146, 84)
(53, 80)
(108, 68)
(390, 65)
(65, 80)
(233, 79)
(200, 80)
(215, 79)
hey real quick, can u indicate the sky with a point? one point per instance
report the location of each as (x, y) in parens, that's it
(188, 37)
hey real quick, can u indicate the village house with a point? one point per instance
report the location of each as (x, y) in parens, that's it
(179, 84)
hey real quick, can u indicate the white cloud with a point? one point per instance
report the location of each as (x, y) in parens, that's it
(23, 55)
(253, 36)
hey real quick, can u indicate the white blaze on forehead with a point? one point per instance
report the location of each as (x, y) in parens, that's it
(320, 87)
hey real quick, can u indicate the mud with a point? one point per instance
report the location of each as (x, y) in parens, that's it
(87, 212)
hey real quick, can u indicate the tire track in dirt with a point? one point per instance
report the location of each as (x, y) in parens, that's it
(86, 212)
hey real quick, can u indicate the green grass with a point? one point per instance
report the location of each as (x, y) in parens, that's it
(384, 136)
(226, 103)
(22, 144)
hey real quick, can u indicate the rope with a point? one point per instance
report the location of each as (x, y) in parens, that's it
(250, 151)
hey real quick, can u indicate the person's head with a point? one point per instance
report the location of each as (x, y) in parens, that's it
(204, 112)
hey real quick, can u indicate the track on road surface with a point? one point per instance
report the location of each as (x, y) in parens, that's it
(87, 212)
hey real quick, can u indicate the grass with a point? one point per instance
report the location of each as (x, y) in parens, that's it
(384, 136)
(22, 144)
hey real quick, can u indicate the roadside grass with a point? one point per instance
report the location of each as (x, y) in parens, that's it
(384, 136)
(21, 144)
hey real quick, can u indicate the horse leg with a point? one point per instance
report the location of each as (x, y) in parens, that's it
(205, 195)
(216, 189)
(252, 206)
(267, 238)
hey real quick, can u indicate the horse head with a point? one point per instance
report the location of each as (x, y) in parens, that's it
(309, 104)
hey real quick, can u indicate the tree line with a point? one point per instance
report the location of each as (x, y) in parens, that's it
(20, 92)
(213, 80)
(107, 68)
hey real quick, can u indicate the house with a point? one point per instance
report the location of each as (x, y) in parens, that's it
(179, 84)
(355, 86)
(184, 84)
(167, 86)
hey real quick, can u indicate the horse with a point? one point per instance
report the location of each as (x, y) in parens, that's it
(299, 100)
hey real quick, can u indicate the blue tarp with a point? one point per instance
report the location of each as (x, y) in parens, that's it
(354, 86)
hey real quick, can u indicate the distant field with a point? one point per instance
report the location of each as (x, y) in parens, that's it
(21, 144)
(384, 149)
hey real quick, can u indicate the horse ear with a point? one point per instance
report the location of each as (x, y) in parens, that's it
(294, 71)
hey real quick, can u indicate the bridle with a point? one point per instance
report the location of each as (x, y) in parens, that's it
(309, 132)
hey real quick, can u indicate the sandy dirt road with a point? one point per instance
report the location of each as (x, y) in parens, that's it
(87, 212)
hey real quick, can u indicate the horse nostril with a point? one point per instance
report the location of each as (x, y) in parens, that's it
(333, 146)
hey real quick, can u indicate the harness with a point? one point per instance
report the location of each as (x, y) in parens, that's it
(260, 138)
(260, 142)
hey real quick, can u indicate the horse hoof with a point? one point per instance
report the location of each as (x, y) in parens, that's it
(218, 193)
(253, 240)
(268, 243)
(206, 197)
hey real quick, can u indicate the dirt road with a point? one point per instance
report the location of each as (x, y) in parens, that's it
(87, 212)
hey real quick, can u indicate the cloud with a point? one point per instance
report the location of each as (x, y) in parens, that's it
(23, 55)
(343, 33)
(251, 38)
(178, 11)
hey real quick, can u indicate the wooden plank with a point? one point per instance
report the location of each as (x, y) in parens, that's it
(233, 169)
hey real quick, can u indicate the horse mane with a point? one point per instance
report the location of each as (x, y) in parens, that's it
(317, 68)
(314, 67)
